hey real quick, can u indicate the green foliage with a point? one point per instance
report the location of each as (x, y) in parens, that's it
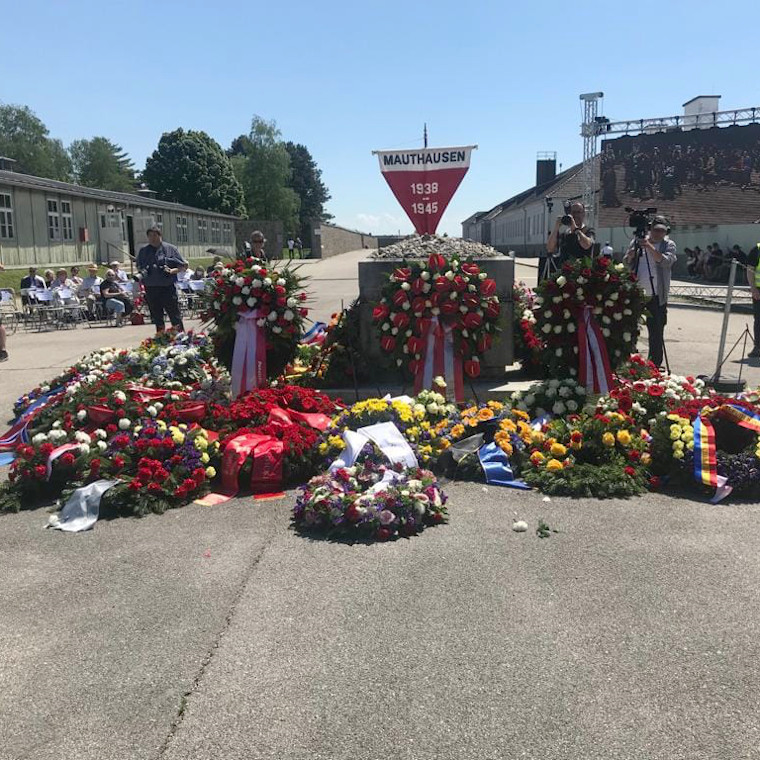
(262, 166)
(25, 138)
(306, 181)
(103, 164)
(190, 167)
(601, 481)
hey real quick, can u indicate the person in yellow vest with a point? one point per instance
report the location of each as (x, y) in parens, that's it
(753, 276)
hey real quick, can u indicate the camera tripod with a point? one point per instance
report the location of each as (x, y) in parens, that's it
(638, 253)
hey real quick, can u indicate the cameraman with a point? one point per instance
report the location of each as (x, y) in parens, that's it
(159, 263)
(577, 241)
(652, 266)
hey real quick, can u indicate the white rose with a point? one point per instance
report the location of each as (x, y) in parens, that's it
(267, 281)
(120, 395)
(277, 329)
(272, 316)
(449, 275)
(432, 408)
(39, 439)
(280, 281)
(562, 280)
(291, 302)
(82, 415)
(124, 424)
(425, 275)
(558, 408)
(102, 445)
(237, 300)
(256, 284)
(571, 405)
(239, 281)
(289, 315)
(251, 302)
(81, 437)
(245, 290)
(405, 286)
(84, 448)
(151, 410)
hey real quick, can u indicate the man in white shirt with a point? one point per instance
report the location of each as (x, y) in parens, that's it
(607, 250)
(121, 275)
(652, 266)
(89, 289)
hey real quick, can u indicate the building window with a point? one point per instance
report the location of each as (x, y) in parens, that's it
(203, 230)
(182, 229)
(6, 217)
(67, 221)
(227, 233)
(53, 220)
(158, 220)
(216, 235)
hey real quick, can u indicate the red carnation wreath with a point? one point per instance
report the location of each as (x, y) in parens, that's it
(452, 293)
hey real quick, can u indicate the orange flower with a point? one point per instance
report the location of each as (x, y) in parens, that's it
(485, 414)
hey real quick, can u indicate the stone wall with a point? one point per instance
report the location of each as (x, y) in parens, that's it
(330, 240)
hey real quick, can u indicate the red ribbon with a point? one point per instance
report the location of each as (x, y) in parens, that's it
(445, 361)
(594, 371)
(266, 473)
(145, 395)
(291, 416)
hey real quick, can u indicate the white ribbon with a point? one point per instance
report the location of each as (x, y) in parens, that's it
(594, 360)
(82, 509)
(386, 436)
(246, 356)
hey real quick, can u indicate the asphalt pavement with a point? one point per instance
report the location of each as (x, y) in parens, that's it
(218, 632)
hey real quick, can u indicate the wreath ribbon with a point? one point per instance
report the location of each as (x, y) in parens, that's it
(266, 473)
(19, 432)
(440, 359)
(594, 369)
(249, 356)
(705, 449)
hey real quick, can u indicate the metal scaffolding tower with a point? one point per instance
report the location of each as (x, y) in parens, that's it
(589, 130)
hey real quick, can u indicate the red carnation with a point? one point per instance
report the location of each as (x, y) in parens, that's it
(655, 390)
(40, 472)
(67, 459)
(46, 449)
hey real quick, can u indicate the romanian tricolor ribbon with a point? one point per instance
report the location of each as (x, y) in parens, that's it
(594, 371)
(440, 359)
(743, 417)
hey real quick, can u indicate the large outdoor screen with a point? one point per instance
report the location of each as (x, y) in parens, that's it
(698, 176)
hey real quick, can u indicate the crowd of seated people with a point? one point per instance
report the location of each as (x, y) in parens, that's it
(713, 264)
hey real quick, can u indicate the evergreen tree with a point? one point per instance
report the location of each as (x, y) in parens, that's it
(103, 164)
(306, 181)
(190, 167)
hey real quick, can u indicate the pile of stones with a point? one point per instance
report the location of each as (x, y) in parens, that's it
(421, 246)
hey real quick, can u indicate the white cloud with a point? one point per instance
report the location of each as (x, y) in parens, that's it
(384, 223)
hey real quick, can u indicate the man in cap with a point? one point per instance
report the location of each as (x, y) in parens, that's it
(89, 289)
(158, 263)
(658, 254)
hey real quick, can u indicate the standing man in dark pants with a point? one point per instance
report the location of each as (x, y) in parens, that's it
(753, 277)
(158, 263)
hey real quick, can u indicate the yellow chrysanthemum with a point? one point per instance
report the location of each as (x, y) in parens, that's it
(537, 457)
(537, 437)
(210, 472)
(444, 444)
(485, 414)
(323, 448)
(508, 425)
(497, 406)
(553, 465)
(624, 437)
(608, 439)
(457, 431)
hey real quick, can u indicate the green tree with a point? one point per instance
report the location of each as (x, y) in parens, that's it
(25, 138)
(262, 164)
(306, 180)
(103, 164)
(191, 168)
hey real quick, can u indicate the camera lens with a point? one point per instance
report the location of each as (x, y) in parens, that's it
(566, 219)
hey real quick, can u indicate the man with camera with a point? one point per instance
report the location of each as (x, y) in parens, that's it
(578, 240)
(159, 263)
(651, 255)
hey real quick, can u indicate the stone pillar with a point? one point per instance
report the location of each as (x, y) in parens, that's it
(373, 274)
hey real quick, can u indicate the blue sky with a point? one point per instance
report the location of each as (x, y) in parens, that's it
(345, 78)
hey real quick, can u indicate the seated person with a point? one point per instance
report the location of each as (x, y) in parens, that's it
(89, 289)
(32, 280)
(49, 278)
(213, 265)
(121, 275)
(64, 288)
(183, 276)
(115, 299)
(74, 277)
(198, 274)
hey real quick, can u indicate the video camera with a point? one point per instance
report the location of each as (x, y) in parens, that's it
(640, 219)
(566, 219)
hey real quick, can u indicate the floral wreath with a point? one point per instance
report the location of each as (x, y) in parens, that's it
(616, 301)
(351, 501)
(248, 284)
(454, 291)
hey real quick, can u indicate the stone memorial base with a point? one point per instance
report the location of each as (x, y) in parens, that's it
(373, 275)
